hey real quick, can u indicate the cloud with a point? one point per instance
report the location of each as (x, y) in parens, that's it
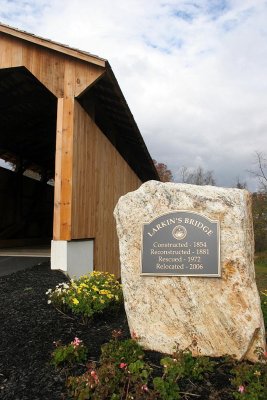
(192, 72)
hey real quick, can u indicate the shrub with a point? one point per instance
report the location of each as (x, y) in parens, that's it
(75, 352)
(121, 351)
(90, 295)
(122, 374)
(180, 366)
(250, 380)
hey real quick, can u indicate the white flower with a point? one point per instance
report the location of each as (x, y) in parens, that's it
(49, 301)
(49, 291)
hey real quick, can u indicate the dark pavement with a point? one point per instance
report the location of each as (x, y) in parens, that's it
(10, 264)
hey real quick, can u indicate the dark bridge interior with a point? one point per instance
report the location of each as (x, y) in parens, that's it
(27, 152)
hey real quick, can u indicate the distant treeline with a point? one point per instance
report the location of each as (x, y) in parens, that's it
(259, 209)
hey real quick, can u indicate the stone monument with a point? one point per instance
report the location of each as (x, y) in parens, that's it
(187, 269)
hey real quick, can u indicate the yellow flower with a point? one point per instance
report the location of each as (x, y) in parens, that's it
(95, 288)
(75, 301)
(103, 291)
(83, 285)
(102, 301)
(96, 273)
(257, 373)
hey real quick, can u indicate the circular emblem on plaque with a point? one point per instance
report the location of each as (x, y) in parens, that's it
(179, 232)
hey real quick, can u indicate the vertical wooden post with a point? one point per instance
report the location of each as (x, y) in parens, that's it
(64, 149)
(64, 169)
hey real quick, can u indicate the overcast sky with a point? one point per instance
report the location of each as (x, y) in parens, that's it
(194, 73)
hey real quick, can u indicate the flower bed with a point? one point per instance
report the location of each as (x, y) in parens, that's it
(29, 327)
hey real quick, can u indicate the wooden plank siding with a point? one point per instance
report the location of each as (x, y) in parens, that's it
(100, 177)
(66, 77)
(90, 173)
(48, 66)
(82, 55)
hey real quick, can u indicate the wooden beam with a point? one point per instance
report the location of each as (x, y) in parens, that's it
(48, 66)
(82, 55)
(58, 162)
(63, 169)
(86, 77)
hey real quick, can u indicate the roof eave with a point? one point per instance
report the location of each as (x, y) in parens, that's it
(61, 48)
(112, 77)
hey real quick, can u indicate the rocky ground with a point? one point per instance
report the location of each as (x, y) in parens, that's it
(29, 326)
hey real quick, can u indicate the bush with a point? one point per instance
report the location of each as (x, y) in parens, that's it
(88, 296)
(123, 374)
(182, 365)
(121, 351)
(250, 380)
(75, 352)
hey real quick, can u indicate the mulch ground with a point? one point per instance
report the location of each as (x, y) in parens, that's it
(29, 326)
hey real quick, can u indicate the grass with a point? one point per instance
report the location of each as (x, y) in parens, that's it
(261, 270)
(261, 279)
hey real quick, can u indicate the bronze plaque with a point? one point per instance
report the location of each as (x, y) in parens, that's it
(181, 243)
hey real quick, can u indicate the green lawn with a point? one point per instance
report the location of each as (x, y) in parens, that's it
(261, 279)
(261, 270)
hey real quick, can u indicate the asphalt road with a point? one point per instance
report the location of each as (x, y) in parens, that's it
(10, 264)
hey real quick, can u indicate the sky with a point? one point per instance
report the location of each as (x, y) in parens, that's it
(194, 73)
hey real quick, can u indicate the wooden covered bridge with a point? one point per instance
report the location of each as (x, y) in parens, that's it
(72, 148)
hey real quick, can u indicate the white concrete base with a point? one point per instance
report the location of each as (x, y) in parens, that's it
(75, 257)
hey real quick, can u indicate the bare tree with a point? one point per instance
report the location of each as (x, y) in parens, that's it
(197, 176)
(241, 185)
(261, 171)
(259, 212)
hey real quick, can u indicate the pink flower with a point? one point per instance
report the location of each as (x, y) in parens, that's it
(122, 365)
(95, 377)
(76, 342)
(241, 389)
(144, 388)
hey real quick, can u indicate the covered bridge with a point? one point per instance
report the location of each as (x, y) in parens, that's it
(64, 121)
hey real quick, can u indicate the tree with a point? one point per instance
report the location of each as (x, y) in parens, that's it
(259, 202)
(261, 171)
(197, 176)
(241, 185)
(259, 210)
(165, 174)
